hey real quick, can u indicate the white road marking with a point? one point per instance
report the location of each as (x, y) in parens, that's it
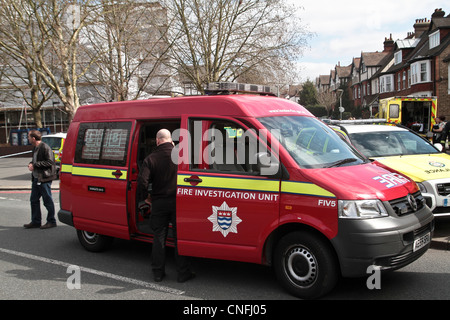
(96, 272)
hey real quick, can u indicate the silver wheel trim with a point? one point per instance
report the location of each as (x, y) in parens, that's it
(307, 259)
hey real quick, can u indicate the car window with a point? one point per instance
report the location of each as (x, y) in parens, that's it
(379, 144)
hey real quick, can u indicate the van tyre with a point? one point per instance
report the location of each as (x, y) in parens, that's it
(305, 265)
(94, 242)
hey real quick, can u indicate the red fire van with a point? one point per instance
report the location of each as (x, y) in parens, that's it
(260, 180)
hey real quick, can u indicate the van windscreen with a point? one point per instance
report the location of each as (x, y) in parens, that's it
(311, 143)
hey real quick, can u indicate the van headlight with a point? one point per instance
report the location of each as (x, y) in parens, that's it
(361, 209)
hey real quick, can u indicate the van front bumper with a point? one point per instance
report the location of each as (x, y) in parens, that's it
(390, 242)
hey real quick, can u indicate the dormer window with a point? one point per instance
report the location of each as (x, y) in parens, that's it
(434, 39)
(363, 68)
(398, 57)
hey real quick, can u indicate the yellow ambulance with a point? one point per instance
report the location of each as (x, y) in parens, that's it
(417, 113)
(406, 152)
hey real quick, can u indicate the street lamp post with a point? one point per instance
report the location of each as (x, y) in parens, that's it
(341, 110)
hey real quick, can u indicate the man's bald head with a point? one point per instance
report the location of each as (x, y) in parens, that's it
(163, 136)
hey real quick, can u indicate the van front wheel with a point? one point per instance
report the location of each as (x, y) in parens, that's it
(93, 241)
(305, 265)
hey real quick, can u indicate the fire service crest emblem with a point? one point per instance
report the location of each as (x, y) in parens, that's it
(224, 219)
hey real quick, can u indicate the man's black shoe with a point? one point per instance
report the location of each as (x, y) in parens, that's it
(48, 225)
(31, 225)
(159, 277)
(186, 276)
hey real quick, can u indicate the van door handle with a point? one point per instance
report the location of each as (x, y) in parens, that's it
(117, 174)
(193, 179)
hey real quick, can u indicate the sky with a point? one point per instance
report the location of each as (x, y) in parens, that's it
(345, 28)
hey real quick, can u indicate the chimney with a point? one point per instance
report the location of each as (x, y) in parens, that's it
(410, 35)
(388, 44)
(438, 13)
(421, 26)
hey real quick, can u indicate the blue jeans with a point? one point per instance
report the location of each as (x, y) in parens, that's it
(43, 190)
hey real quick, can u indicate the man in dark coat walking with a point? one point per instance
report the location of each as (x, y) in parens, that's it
(43, 172)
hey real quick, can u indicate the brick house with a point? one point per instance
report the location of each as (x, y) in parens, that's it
(417, 66)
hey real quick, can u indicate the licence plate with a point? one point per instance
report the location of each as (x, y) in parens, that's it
(421, 242)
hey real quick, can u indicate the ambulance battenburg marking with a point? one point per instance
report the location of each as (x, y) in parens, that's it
(224, 219)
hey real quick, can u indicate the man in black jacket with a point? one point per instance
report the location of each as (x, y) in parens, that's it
(43, 172)
(159, 170)
(445, 134)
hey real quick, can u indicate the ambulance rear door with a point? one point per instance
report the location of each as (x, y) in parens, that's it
(226, 206)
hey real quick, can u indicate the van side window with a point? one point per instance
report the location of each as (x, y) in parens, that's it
(223, 146)
(147, 137)
(103, 143)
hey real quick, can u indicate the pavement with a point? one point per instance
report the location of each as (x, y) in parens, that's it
(14, 176)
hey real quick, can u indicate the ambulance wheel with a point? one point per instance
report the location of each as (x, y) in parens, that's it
(305, 265)
(93, 241)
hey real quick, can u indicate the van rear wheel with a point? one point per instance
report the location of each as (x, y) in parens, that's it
(305, 265)
(93, 241)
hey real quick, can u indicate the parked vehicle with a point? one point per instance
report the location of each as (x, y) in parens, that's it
(260, 180)
(416, 113)
(407, 152)
(56, 142)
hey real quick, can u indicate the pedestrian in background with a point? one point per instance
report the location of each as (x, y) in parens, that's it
(445, 135)
(43, 172)
(438, 129)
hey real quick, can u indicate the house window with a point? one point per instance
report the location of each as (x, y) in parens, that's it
(404, 79)
(413, 73)
(448, 67)
(399, 84)
(435, 39)
(375, 87)
(398, 57)
(423, 72)
(409, 78)
(387, 83)
(420, 72)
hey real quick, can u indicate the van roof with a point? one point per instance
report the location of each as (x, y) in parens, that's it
(225, 105)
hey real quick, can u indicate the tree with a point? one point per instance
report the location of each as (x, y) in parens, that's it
(220, 40)
(15, 33)
(128, 47)
(328, 100)
(308, 95)
(50, 42)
